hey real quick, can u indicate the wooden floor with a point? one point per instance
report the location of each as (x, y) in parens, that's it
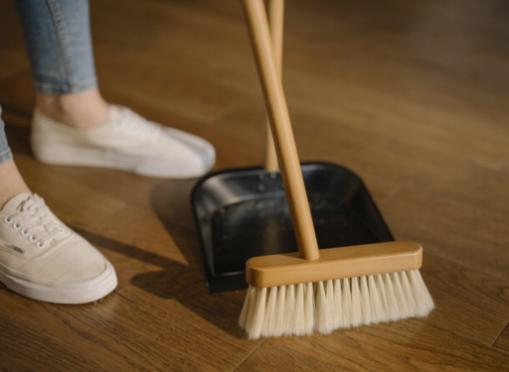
(412, 95)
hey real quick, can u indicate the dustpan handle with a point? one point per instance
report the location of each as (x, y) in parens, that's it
(282, 130)
(276, 19)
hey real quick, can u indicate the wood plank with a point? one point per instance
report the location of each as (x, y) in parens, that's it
(463, 230)
(462, 294)
(14, 59)
(502, 341)
(406, 346)
(177, 78)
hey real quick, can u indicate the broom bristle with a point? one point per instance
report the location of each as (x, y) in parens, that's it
(301, 309)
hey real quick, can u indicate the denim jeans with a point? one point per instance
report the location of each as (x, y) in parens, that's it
(5, 151)
(57, 36)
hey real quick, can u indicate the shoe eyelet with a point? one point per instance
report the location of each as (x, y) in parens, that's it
(17, 226)
(24, 232)
(33, 238)
(7, 220)
(40, 245)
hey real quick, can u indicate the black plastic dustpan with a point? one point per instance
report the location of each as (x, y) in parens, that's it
(242, 213)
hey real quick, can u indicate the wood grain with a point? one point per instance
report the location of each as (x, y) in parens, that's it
(406, 346)
(502, 341)
(413, 96)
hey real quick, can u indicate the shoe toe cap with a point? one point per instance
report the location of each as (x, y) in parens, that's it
(197, 145)
(194, 158)
(76, 262)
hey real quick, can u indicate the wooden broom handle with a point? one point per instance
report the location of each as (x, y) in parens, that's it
(282, 130)
(276, 21)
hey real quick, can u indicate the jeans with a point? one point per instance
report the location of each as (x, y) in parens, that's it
(5, 151)
(58, 40)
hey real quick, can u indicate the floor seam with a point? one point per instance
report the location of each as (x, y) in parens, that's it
(500, 334)
(500, 350)
(248, 356)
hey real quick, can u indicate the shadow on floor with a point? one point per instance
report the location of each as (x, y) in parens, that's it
(19, 138)
(184, 283)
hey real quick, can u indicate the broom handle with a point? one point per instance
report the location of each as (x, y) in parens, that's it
(282, 130)
(276, 18)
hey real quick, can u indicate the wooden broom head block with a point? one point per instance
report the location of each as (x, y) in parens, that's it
(334, 263)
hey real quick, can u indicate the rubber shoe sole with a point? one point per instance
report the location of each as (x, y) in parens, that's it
(79, 155)
(81, 293)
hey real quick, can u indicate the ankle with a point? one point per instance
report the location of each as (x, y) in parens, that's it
(11, 182)
(84, 110)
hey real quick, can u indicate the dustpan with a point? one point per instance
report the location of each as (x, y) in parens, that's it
(242, 213)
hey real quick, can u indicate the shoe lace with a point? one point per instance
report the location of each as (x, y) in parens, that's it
(136, 124)
(37, 223)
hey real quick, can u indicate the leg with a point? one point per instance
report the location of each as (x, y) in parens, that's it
(40, 257)
(28, 229)
(36, 249)
(60, 49)
(11, 182)
(59, 44)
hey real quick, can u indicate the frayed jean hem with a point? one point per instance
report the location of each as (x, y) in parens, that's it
(5, 156)
(64, 88)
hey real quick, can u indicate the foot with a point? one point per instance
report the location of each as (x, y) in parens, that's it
(126, 142)
(41, 258)
(11, 182)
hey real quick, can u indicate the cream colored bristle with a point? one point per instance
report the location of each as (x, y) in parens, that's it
(392, 308)
(377, 310)
(338, 305)
(245, 308)
(328, 316)
(404, 312)
(356, 303)
(270, 316)
(258, 318)
(347, 303)
(423, 298)
(302, 309)
(383, 296)
(365, 301)
(298, 314)
(279, 324)
(309, 309)
(290, 309)
(331, 304)
(321, 309)
(407, 293)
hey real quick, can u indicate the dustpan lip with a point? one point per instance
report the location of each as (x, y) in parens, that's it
(201, 181)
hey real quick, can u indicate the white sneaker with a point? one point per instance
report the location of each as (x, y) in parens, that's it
(43, 259)
(126, 142)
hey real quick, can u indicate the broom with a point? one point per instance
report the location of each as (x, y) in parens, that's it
(320, 290)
